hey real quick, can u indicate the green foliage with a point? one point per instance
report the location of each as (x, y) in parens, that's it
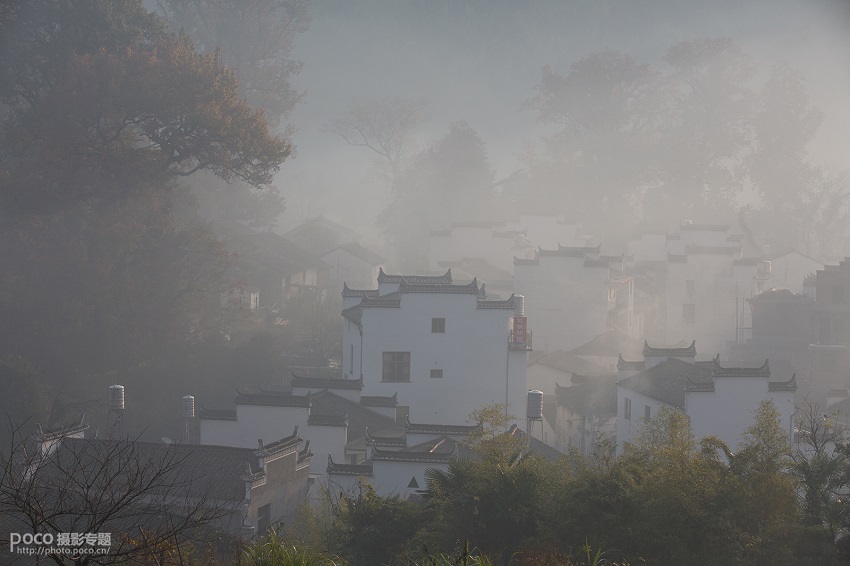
(273, 550)
(370, 529)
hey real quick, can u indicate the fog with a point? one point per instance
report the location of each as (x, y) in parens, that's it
(453, 250)
(480, 63)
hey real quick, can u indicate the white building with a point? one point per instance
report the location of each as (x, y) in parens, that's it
(491, 242)
(574, 294)
(444, 349)
(704, 281)
(329, 413)
(789, 269)
(353, 264)
(719, 401)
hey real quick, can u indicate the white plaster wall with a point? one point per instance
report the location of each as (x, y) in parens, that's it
(393, 477)
(650, 247)
(351, 342)
(253, 422)
(718, 287)
(628, 430)
(730, 409)
(566, 302)
(548, 231)
(324, 440)
(335, 484)
(708, 238)
(543, 378)
(473, 354)
(789, 271)
(473, 242)
(350, 269)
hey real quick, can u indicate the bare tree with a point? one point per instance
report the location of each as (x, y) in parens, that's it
(824, 213)
(820, 464)
(144, 495)
(382, 125)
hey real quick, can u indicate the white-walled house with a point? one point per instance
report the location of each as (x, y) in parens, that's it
(704, 278)
(353, 264)
(491, 242)
(444, 349)
(574, 294)
(789, 269)
(718, 400)
(329, 414)
(401, 469)
(547, 230)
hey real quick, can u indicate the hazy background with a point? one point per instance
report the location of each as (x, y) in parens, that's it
(479, 61)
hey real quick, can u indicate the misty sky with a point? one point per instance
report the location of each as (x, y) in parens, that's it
(481, 64)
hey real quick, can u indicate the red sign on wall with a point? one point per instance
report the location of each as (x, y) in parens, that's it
(520, 323)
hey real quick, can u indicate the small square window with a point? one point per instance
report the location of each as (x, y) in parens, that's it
(438, 325)
(436, 373)
(627, 409)
(647, 413)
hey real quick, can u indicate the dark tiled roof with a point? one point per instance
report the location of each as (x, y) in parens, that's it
(335, 469)
(583, 249)
(781, 295)
(379, 401)
(349, 292)
(440, 429)
(281, 445)
(507, 304)
(536, 446)
(479, 268)
(747, 261)
(315, 371)
(468, 289)
(320, 235)
(217, 470)
(741, 371)
(580, 253)
(568, 362)
(625, 365)
(359, 417)
(668, 352)
(388, 441)
(327, 420)
(440, 445)
(479, 224)
(354, 314)
(711, 250)
(445, 279)
(666, 382)
(408, 455)
(610, 343)
(217, 414)
(272, 399)
(597, 397)
(705, 227)
(325, 383)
